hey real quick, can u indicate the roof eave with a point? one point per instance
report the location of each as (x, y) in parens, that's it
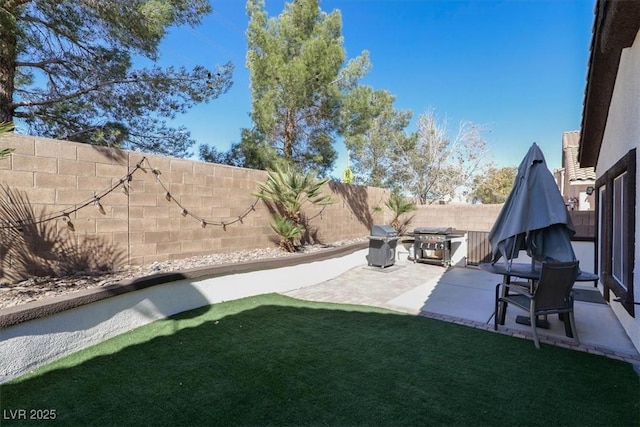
(616, 24)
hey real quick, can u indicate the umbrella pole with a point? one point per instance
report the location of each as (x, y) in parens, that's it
(513, 251)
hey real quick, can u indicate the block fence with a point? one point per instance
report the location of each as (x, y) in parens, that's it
(146, 223)
(482, 218)
(457, 216)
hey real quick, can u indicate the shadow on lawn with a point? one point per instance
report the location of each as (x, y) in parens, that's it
(275, 360)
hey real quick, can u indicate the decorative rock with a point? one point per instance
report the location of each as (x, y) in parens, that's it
(39, 288)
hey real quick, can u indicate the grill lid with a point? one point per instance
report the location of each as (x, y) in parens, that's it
(383, 231)
(432, 230)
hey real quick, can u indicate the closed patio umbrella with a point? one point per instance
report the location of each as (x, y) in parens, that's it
(534, 217)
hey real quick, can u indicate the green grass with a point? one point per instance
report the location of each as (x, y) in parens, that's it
(272, 360)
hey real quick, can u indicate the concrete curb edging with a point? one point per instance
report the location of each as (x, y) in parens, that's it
(555, 341)
(40, 333)
(35, 310)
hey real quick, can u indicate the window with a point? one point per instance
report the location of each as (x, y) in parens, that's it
(619, 239)
(602, 191)
(616, 230)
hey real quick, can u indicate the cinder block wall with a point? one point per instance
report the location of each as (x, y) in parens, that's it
(482, 218)
(147, 224)
(460, 217)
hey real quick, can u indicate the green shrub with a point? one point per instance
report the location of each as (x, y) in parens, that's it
(400, 206)
(287, 190)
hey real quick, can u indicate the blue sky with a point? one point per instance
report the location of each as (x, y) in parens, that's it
(516, 67)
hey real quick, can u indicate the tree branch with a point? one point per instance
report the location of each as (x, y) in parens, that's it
(84, 91)
(40, 64)
(12, 4)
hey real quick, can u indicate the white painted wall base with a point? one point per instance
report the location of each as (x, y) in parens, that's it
(28, 345)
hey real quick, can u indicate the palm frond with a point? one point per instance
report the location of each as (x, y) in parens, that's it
(5, 128)
(291, 189)
(288, 231)
(400, 206)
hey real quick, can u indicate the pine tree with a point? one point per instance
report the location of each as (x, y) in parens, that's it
(66, 71)
(299, 80)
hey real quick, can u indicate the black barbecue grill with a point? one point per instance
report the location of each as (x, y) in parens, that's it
(382, 246)
(433, 245)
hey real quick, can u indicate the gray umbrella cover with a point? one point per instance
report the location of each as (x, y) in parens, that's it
(534, 216)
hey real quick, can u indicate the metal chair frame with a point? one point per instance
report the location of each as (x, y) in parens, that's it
(551, 294)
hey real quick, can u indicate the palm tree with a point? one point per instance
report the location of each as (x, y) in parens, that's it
(288, 190)
(400, 206)
(289, 232)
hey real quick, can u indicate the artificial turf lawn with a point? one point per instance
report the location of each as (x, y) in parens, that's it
(273, 360)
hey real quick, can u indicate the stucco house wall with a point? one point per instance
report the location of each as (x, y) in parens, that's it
(622, 133)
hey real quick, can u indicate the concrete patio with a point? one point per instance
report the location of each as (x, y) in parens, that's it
(465, 295)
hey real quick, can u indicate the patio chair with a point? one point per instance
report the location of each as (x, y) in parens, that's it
(551, 295)
(522, 285)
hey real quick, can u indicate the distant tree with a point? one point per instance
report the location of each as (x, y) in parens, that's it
(347, 175)
(66, 71)
(251, 152)
(373, 136)
(494, 185)
(212, 155)
(299, 81)
(433, 167)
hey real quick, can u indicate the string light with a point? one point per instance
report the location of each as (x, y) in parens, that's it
(126, 188)
(139, 165)
(67, 220)
(185, 212)
(98, 204)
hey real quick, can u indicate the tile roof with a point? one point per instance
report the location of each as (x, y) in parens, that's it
(570, 149)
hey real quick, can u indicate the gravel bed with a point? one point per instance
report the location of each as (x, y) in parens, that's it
(39, 288)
